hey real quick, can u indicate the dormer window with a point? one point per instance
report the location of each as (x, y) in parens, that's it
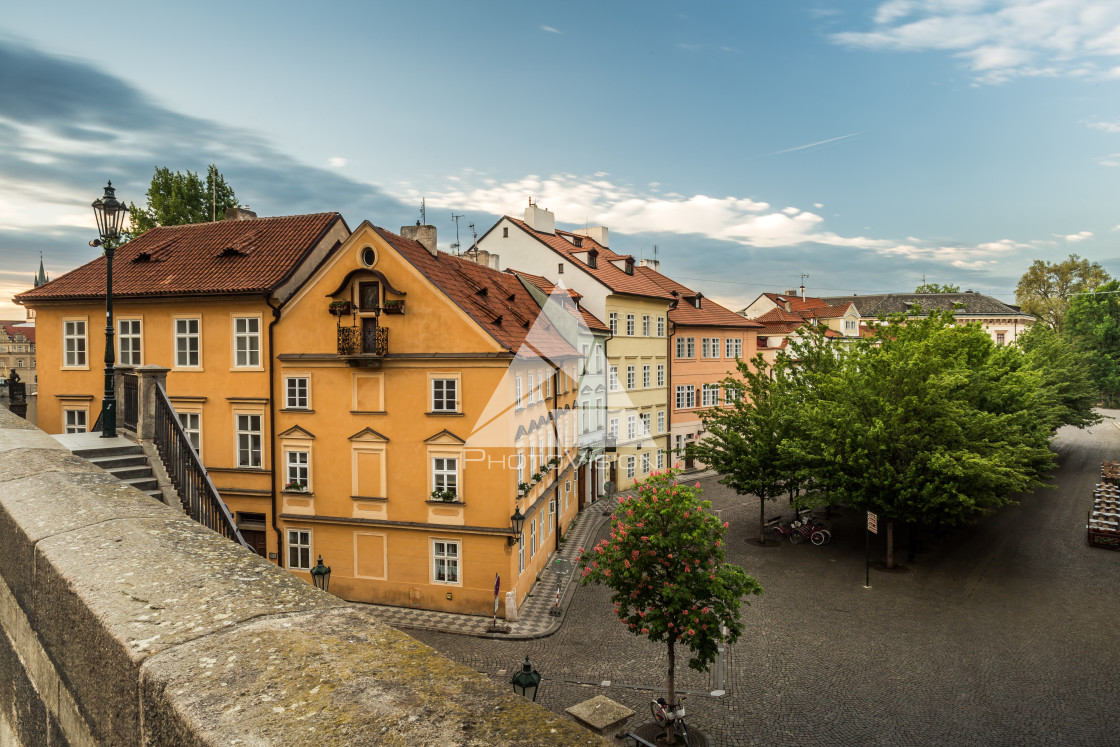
(577, 240)
(593, 258)
(629, 270)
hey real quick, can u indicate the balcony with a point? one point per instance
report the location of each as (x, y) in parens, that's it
(367, 341)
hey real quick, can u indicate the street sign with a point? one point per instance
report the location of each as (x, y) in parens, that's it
(872, 523)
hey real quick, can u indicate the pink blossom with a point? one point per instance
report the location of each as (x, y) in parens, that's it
(691, 631)
(626, 563)
(607, 573)
(645, 630)
(705, 610)
(726, 524)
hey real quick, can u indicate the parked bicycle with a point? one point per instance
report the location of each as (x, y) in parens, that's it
(664, 716)
(813, 530)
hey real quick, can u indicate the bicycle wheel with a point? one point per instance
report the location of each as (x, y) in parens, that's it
(658, 712)
(796, 537)
(775, 533)
(818, 538)
(682, 732)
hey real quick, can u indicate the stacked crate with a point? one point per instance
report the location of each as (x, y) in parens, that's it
(1104, 520)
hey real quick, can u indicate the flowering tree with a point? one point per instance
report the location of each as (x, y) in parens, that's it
(665, 562)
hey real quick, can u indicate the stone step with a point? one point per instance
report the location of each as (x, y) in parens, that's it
(130, 473)
(92, 453)
(111, 463)
(143, 484)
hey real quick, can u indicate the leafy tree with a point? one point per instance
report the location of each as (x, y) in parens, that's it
(175, 199)
(1093, 327)
(744, 438)
(937, 288)
(926, 422)
(665, 562)
(1045, 288)
(1064, 373)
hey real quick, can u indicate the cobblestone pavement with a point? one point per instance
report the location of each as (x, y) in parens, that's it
(1007, 632)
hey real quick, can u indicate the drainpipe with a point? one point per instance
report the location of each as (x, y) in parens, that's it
(556, 486)
(272, 430)
(670, 400)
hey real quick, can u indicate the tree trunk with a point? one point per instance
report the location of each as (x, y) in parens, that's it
(762, 521)
(890, 545)
(672, 690)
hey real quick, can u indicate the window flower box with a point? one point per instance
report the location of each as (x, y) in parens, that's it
(295, 486)
(393, 307)
(339, 308)
(445, 496)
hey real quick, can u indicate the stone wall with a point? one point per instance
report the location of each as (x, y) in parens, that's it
(127, 623)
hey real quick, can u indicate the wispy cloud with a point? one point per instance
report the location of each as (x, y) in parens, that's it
(1104, 126)
(1111, 160)
(811, 145)
(1073, 238)
(1002, 39)
(336, 162)
(551, 30)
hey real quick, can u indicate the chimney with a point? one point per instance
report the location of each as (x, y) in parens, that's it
(788, 305)
(540, 219)
(423, 235)
(494, 262)
(653, 264)
(240, 213)
(596, 233)
(802, 292)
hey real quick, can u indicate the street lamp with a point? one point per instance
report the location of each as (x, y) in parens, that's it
(518, 521)
(526, 682)
(321, 575)
(109, 212)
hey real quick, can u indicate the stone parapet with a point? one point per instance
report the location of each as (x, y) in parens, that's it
(127, 623)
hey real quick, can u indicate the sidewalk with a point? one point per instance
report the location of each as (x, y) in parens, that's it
(534, 620)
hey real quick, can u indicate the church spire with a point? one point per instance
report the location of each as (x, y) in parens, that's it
(41, 278)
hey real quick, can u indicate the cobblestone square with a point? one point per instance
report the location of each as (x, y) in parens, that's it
(1007, 632)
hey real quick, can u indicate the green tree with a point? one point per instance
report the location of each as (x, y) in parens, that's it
(1045, 288)
(175, 199)
(937, 288)
(665, 563)
(1064, 373)
(744, 439)
(1093, 327)
(926, 422)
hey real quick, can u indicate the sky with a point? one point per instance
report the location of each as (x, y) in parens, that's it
(865, 145)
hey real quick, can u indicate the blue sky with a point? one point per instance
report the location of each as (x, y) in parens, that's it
(867, 144)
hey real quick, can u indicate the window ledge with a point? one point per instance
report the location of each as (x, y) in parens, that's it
(295, 409)
(446, 503)
(368, 498)
(446, 414)
(308, 493)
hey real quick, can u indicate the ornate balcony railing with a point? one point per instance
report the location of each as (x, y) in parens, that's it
(368, 340)
(200, 498)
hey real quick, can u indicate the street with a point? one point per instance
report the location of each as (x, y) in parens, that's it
(1006, 632)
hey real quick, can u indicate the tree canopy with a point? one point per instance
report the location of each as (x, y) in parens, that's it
(176, 198)
(665, 563)
(1093, 328)
(1045, 288)
(937, 288)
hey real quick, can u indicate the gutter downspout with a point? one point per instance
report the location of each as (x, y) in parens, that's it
(272, 429)
(670, 399)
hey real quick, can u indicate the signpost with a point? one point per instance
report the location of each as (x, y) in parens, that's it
(872, 528)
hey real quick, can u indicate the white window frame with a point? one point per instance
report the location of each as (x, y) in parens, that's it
(660, 421)
(71, 424)
(248, 433)
(660, 326)
(631, 467)
(612, 317)
(299, 550)
(551, 515)
(685, 397)
(520, 554)
(646, 376)
(446, 476)
(134, 355)
(660, 459)
(193, 430)
(247, 341)
(645, 325)
(517, 392)
(709, 395)
(631, 378)
(629, 325)
(612, 379)
(450, 561)
(645, 419)
(435, 383)
(612, 428)
(660, 374)
(532, 537)
(187, 336)
(297, 467)
(293, 395)
(645, 462)
(75, 343)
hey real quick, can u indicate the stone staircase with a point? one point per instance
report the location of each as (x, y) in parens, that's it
(120, 457)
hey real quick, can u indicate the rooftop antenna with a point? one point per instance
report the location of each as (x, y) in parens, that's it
(474, 233)
(423, 213)
(455, 246)
(804, 277)
(213, 193)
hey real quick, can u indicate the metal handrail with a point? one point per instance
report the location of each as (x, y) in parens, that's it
(197, 493)
(130, 407)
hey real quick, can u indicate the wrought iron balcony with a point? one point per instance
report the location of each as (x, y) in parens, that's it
(372, 340)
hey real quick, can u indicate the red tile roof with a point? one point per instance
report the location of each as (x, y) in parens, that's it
(17, 328)
(710, 313)
(606, 272)
(547, 286)
(234, 256)
(496, 300)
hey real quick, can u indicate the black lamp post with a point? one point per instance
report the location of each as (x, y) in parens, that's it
(321, 575)
(518, 521)
(526, 682)
(110, 213)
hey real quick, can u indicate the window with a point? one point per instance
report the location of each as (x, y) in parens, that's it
(630, 325)
(75, 421)
(613, 318)
(631, 426)
(999, 338)
(247, 341)
(567, 494)
(299, 549)
(709, 347)
(709, 395)
(661, 374)
(520, 554)
(551, 515)
(660, 459)
(445, 474)
(542, 389)
(192, 426)
(546, 383)
(560, 269)
(295, 392)
(505, 232)
(645, 325)
(612, 379)
(630, 382)
(731, 393)
(444, 395)
(186, 343)
(522, 467)
(248, 440)
(660, 421)
(631, 467)
(445, 562)
(645, 376)
(532, 385)
(646, 418)
(686, 396)
(532, 537)
(74, 343)
(686, 347)
(734, 347)
(849, 325)
(660, 326)
(645, 462)
(612, 428)
(298, 470)
(128, 342)
(517, 392)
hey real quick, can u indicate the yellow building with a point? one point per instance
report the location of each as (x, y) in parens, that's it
(355, 396)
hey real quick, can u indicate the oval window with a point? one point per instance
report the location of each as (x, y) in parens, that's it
(368, 257)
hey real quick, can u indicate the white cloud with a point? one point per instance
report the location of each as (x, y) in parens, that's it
(551, 30)
(1073, 238)
(336, 162)
(1111, 160)
(742, 220)
(1104, 126)
(1002, 39)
